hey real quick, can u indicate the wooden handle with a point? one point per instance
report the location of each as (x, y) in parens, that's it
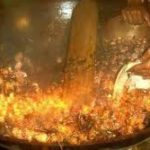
(80, 67)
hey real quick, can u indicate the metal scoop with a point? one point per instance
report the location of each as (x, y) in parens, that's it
(130, 81)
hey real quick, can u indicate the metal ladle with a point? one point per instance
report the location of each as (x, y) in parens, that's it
(131, 81)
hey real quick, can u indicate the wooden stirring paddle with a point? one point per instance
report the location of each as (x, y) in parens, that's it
(80, 68)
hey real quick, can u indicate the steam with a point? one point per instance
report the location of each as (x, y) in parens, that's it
(21, 75)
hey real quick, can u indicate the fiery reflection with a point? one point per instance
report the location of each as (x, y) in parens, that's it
(44, 116)
(29, 113)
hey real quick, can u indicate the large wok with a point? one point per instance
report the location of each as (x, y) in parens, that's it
(41, 29)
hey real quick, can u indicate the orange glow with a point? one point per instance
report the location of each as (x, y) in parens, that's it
(22, 22)
(47, 118)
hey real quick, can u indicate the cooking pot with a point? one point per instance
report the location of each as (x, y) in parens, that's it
(40, 29)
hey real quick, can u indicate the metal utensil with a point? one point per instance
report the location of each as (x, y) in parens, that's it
(130, 81)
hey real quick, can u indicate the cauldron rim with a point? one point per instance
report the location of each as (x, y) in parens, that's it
(119, 142)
